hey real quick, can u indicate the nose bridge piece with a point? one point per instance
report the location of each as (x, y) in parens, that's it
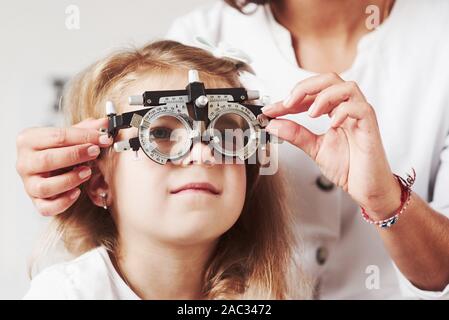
(198, 131)
(201, 152)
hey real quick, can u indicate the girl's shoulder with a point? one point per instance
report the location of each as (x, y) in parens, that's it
(86, 277)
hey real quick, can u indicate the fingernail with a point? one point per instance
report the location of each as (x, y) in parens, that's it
(267, 128)
(312, 109)
(266, 108)
(75, 194)
(83, 174)
(93, 151)
(104, 139)
(271, 126)
(287, 100)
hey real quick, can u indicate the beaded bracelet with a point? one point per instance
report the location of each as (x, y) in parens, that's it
(406, 193)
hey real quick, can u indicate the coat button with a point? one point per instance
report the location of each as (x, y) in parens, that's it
(321, 255)
(324, 183)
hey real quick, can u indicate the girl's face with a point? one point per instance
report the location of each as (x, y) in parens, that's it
(192, 201)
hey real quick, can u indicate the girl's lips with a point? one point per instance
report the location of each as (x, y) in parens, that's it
(197, 187)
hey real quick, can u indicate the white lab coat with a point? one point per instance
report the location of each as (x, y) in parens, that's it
(403, 69)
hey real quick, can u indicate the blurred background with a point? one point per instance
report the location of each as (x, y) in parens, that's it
(41, 47)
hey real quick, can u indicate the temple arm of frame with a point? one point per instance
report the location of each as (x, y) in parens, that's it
(257, 110)
(125, 145)
(122, 121)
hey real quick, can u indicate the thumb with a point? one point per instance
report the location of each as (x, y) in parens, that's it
(295, 134)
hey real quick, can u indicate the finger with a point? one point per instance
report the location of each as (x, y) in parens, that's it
(332, 96)
(97, 124)
(301, 106)
(44, 138)
(362, 112)
(295, 134)
(92, 123)
(52, 207)
(58, 158)
(308, 87)
(41, 187)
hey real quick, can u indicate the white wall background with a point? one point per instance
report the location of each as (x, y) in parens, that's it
(35, 47)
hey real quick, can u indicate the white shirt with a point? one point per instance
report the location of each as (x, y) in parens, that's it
(403, 69)
(91, 276)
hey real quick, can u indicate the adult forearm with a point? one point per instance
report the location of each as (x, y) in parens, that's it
(419, 245)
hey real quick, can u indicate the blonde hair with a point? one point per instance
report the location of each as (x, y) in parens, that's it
(254, 259)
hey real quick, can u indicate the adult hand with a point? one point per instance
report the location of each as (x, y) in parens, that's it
(350, 153)
(52, 162)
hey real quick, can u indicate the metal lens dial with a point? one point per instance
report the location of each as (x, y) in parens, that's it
(168, 135)
(233, 134)
(165, 135)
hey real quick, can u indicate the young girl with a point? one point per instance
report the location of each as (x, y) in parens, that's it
(196, 229)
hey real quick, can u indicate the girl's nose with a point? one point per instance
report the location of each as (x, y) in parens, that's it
(201, 153)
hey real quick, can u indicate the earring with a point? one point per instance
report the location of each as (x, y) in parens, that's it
(104, 195)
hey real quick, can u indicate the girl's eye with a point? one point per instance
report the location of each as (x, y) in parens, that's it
(160, 133)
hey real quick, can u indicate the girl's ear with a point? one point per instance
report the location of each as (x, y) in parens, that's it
(97, 188)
